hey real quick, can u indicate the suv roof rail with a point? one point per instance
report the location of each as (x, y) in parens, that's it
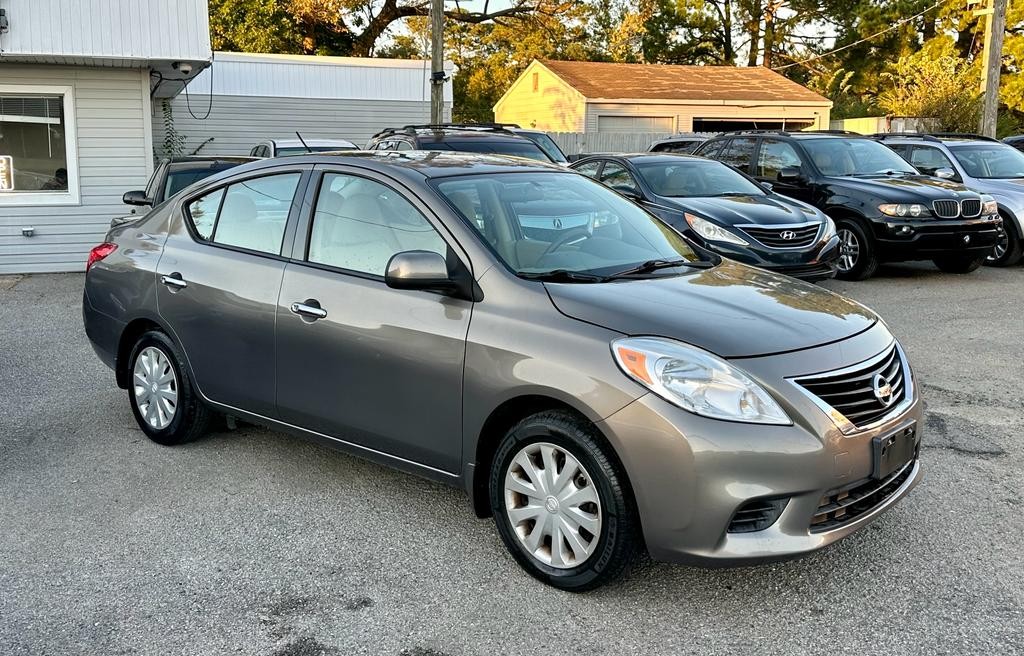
(848, 133)
(882, 136)
(483, 127)
(733, 132)
(962, 135)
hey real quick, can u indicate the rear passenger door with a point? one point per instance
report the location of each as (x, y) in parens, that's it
(775, 155)
(218, 282)
(739, 154)
(381, 368)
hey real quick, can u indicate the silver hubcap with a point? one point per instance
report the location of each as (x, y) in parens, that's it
(553, 505)
(849, 250)
(1000, 249)
(156, 387)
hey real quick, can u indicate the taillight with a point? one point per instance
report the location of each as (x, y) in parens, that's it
(98, 253)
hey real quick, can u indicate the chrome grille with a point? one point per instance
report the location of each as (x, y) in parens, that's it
(946, 209)
(851, 391)
(841, 507)
(970, 207)
(784, 236)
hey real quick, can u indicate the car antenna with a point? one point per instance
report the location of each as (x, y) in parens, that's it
(308, 149)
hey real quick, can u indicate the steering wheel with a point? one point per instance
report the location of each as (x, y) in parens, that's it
(570, 235)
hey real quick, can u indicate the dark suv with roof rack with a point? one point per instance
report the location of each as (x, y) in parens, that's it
(884, 209)
(492, 138)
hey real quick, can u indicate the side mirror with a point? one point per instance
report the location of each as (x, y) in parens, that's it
(136, 198)
(423, 270)
(945, 173)
(628, 192)
(767, 185)
(788, 174)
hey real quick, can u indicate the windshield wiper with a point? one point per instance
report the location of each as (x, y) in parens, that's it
(563, 275)
(728, 194)
(653, 265)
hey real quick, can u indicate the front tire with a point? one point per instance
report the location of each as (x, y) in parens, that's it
(1009, 249)
(858, 259)
(561, 503)
(959, 263)
(161, 395)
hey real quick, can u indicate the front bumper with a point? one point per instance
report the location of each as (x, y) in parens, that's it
(816, 262)
(924, 239)
(690, 474)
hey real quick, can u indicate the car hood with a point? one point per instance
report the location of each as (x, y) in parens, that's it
(909, 188)
(1003, 185)
(744, 210)
(731, 310)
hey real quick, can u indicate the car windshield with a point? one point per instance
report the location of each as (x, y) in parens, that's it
(548, 224)
(548, 145)
(855, 157)
(689, 178)
(518, 148)
(301, 150)
(179, 179)
(990, 160)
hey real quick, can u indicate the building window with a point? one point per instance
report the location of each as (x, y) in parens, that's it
(536, 81)
(38, 162)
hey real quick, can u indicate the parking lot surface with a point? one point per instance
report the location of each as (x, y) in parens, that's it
(260, 543)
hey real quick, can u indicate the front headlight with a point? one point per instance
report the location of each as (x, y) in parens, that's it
(712, 232)
(989, 205)
(696, 380)
(830, 229)
(903, 210)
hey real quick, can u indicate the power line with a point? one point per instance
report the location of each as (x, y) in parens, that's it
(897, 24)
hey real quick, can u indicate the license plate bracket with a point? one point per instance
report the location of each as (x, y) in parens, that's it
(892, 451)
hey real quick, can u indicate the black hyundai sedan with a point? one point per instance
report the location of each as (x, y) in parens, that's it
(724, 211)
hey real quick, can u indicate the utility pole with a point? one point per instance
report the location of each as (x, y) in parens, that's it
(436, 61)
(995, 28)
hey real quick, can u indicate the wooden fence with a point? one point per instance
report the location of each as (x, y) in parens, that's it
(574, 143)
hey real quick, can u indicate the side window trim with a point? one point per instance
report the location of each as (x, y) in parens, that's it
(294, 210)
(299, 251)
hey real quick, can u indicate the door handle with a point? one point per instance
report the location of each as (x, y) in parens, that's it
(174, 280)
(307, 310)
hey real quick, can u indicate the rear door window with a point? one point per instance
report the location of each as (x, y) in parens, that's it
(711, 149)
(739, 153)
(251, 214)
(590, 169)
(618, 178)
(774, 156)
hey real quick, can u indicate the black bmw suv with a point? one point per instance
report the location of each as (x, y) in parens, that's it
(885, 211)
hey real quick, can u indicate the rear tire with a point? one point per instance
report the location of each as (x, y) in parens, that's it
(858, 258)
(959, 263)
(577, 526)
(1009, 250)
(161, 394)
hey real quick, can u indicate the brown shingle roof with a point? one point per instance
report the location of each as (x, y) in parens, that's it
(666, 82)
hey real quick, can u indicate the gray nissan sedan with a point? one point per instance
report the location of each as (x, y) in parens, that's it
(596, 382)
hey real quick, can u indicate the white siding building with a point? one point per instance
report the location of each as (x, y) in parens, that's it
(78, 79)
(246, 98)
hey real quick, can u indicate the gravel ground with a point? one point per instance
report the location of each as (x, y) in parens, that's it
(259, 543)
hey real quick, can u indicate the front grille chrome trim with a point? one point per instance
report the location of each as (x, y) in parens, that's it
(803, 245)
(970, 208)
(844, 424)
(946, 209)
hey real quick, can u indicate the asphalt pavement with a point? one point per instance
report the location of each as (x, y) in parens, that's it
(255, 542)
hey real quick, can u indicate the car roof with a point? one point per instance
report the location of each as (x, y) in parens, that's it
(957, 139)
(819, 134)
(199, 161)
(666, 158)
(295, 143)
(465, 131)
(418, 163)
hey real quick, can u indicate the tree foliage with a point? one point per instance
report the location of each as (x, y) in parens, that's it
(491, 42)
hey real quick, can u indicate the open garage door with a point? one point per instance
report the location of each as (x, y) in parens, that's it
(731, 124)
